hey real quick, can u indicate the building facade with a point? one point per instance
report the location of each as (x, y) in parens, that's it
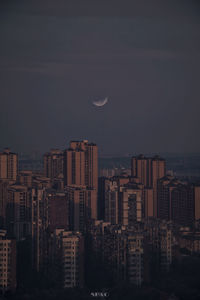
(8, 165)
(7, 263)
(69, 258)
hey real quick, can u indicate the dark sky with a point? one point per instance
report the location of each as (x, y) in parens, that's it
(57, 56)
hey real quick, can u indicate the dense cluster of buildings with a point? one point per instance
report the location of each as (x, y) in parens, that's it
(135, 221)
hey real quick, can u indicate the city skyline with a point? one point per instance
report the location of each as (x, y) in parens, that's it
(99, 149)
(76, 229)
(57, 58)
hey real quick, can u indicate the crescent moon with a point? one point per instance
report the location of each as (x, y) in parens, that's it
(100, 102)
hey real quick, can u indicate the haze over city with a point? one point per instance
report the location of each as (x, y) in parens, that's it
(57, 57)
(99, 149)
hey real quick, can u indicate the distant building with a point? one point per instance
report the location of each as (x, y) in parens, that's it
(164, 189)
(53, 163)
(190, 241)
(178, 201)
(69, 258)
(8, 165)
(130, 205)
(58, 209)
(39, 225)
(4, 184)
(101, 198)
(114, 172)
(149, 170)
(18, 212)
(111, 201)
(81, 164)
(7, 263)
(42, 182)
(141, 167)
(81, 173)
(117, 205)
(82, 206)
(25, 178)
(135, 257)
(159, 235)
(74, 167)
(148, 204)
(121, 250)
(197, 202)
(183, 205)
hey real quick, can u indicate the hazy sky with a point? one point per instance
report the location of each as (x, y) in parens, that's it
(57, 56)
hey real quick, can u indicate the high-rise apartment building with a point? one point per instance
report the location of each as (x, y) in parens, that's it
(81, 181)
(8, 165)
(141, 168)
(53, 164)
(74, 167)
(158, 166)
(121, 250)
(118, 204)
(135, 257)
(4, 184)
(165, 187)
(160, 240)
(149, 170)
(18, 212)
(183, 204)
(58, 209)
(82, 206)
(39, 224)
(7, 263)
(178, 201)
(69, 258)
(130, 205)
(148, 203)
(81, 164)
(111, 201)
